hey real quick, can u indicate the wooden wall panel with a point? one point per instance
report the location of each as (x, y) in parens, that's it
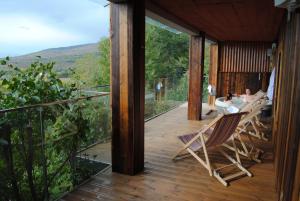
(286, 126)
(196, 72)
(244, 57)
(243, 65)
(128, 86)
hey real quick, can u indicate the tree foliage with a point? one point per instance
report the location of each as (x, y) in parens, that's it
(38, 145)
(92, 69)
(36, 84)
(166, 54)
(104, 60)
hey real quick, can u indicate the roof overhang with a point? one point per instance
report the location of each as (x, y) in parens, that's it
(222, 20)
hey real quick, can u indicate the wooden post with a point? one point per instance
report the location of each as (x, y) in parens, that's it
(196, 68)
(128, 85)
(264, 81)
(213, 71)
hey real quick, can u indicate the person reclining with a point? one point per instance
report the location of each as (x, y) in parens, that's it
(247, 97)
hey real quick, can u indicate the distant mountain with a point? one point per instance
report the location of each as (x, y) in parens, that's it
(64, 57)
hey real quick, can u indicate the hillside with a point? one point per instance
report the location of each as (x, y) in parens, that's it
(64, 57)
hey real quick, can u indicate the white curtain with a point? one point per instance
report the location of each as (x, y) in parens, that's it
(271, 85)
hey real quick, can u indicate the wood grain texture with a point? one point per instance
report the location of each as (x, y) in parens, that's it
(287, 116)
(253, 54)
(128, 85)
(224, 20)
(184, 180)
(196, 73)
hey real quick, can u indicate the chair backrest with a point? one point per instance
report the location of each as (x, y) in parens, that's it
(224, 128)
(256, 110)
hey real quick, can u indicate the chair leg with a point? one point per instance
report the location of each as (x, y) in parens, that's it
(236, 163)
(248, 150)
(259, 123)
(252, 147)
(257, 133)
(205, 164)
(206, 155)
(236, 152)
(243, 171)
(243, 145)
(220, 179)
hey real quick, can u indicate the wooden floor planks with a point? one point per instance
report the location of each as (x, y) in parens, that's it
(184, 180)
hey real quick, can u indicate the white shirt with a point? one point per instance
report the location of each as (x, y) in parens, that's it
(271, 85)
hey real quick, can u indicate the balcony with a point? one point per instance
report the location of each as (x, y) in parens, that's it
(163, 179)
(243, 54)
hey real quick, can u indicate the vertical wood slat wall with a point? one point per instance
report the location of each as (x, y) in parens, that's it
(286, 122)
(243, 65)
(244, 57)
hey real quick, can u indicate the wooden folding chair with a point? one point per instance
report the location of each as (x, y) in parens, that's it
(257, 98)
(214, 135)
(252, 120)
(248, 149)
(256, 102)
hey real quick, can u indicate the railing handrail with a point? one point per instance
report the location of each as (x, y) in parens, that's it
(53, 103)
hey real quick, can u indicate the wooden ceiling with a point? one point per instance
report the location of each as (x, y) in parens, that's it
(234, 20)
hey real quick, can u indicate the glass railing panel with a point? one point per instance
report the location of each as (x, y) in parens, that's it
(166, 94)
(41, 147)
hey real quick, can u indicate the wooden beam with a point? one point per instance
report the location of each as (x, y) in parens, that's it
(128, 86)
(168, 22)
(196, 71)
(118, 1)
(213, 70)
(158, 13)
(155, 12)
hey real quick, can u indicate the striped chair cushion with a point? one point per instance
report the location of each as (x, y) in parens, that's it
(196, 145)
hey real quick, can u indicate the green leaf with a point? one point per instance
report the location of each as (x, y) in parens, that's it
(5, 82)
(36, 98)
(3, 62)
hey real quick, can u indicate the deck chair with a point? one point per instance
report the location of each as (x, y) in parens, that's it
(214, 135)
(252, 120)
(249, 106)
(258, 100)
(248, 149)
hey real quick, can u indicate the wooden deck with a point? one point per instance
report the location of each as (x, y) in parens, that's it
(185, 180)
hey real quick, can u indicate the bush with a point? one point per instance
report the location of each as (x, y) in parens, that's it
(39, 145)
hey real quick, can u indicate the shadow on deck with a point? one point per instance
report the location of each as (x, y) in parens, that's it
(184, 180)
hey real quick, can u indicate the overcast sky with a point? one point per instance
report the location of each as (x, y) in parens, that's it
(31, 25)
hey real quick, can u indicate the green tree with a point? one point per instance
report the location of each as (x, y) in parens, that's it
(38, 83)
(87, 70)
(92, 69)
(166, 54)
(104, 60)
(21, 142)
